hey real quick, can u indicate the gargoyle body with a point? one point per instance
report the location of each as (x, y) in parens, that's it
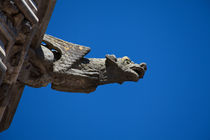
(63, 65)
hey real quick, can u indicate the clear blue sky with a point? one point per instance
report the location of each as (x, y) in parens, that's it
(172, 102)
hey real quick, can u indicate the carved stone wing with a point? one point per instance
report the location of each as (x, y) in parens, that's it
(67, 53)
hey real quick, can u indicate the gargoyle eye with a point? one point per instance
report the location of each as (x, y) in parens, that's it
(126, 60)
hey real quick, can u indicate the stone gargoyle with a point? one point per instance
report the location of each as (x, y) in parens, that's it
(63, 65)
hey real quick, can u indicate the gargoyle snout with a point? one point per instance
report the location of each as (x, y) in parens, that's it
(143, 66)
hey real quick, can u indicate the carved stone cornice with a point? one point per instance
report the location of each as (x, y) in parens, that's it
(22, 25)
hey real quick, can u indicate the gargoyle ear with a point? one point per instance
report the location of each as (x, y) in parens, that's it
(111, 60)
(111, 57)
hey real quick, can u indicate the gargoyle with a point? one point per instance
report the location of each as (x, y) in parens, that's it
(63, 65)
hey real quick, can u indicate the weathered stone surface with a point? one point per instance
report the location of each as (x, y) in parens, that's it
(22, 26)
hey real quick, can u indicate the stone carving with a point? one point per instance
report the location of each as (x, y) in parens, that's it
(63, 64)
(28, 57)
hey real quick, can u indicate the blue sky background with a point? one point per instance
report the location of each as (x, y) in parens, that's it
(172, 102)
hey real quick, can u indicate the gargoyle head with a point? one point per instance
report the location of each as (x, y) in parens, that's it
(123, 69)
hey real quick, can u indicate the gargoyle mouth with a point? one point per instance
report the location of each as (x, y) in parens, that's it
(140, 69)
